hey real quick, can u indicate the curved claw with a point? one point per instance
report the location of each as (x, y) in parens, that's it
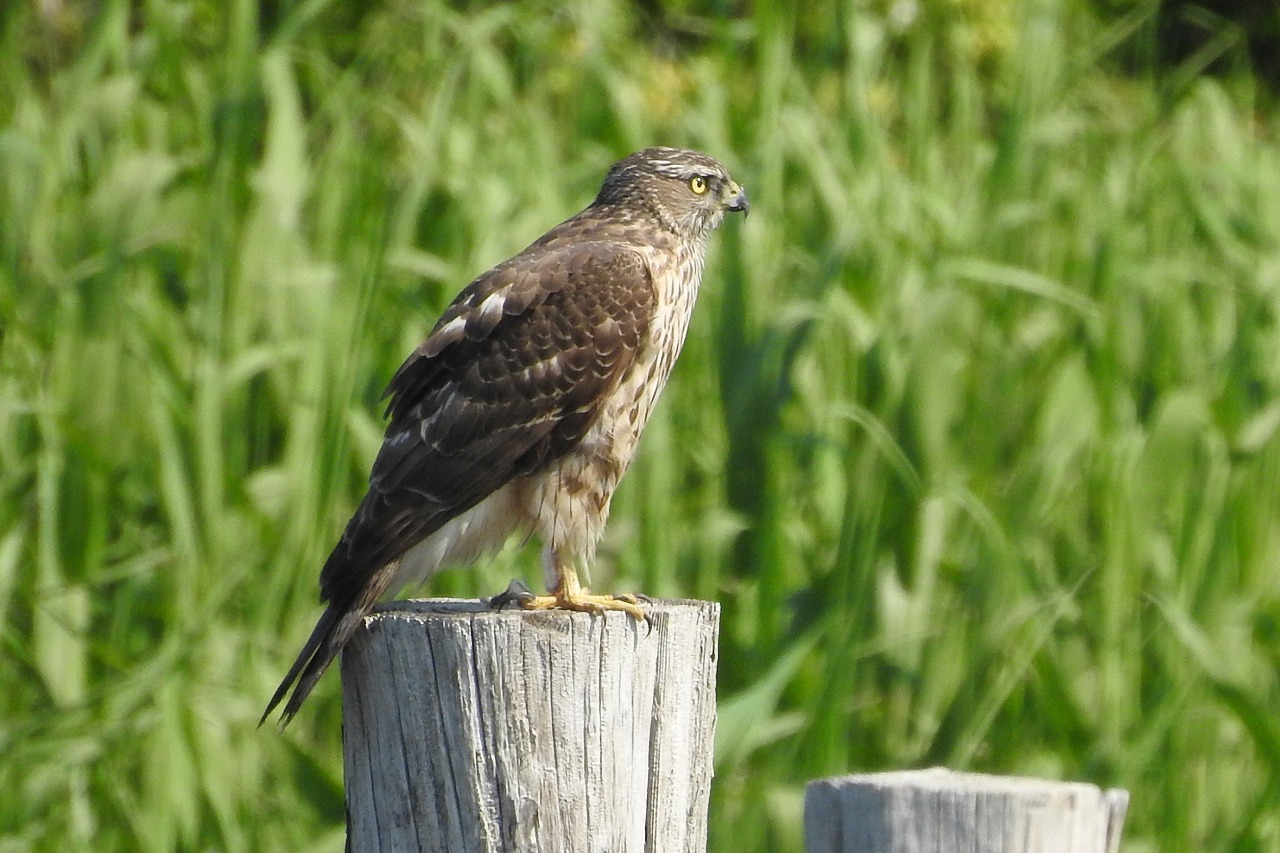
(517, 592)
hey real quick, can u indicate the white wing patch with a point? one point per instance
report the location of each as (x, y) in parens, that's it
(450, 333)
(476, 323)
(540, 371)
(489, 312)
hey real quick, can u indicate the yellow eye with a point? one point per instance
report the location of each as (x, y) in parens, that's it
(698, 184)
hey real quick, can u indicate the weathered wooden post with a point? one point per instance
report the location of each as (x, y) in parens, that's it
(467, 729)
(939, 811)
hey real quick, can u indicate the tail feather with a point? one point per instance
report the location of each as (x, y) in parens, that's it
(316, 655)
(334, 628)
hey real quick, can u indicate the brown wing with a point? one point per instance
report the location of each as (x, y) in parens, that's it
(510, 379)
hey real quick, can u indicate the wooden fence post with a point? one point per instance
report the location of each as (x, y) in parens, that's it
(466, 729)
(938, 810)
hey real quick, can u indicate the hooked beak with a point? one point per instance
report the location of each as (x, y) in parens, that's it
(737, 200)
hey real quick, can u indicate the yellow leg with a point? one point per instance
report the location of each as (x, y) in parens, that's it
(570, 595)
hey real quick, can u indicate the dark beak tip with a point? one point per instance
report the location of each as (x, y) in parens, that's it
(740, 203)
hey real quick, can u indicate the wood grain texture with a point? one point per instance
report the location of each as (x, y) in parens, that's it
(939, 811)
(472, 730)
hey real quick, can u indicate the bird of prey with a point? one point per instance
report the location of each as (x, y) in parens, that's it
(522, 408)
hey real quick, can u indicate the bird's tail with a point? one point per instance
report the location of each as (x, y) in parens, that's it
(334, 628)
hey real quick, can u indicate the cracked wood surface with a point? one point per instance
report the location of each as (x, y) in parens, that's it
(472, 730)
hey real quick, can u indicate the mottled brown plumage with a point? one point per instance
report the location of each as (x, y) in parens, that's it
(522, 408)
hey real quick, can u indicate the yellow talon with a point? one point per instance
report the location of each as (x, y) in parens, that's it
(587, 604)
(570, 596)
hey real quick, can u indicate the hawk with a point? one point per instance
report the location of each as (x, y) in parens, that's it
(521, 410)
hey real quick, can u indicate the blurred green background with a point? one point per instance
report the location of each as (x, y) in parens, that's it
(975, 435)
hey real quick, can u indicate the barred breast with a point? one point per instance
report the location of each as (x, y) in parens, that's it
(570, 501)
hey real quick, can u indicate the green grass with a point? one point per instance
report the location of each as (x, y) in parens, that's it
(975, 435)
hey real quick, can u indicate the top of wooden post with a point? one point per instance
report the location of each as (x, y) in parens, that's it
(470, 729)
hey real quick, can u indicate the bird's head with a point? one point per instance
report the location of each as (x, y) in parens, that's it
(688, 192)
